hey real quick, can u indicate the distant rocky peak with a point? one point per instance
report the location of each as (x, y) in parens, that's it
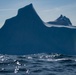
(60, 17)
(64, 20)
(61, 20)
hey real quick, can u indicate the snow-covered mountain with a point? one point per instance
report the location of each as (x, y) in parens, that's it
(26, 33)
(61, 20)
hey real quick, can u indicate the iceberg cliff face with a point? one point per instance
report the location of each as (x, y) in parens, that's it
(27, 34)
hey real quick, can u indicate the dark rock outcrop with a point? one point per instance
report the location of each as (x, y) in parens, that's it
(62, 20)
(27, 34)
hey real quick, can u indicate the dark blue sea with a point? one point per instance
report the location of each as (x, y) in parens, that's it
(37, 64)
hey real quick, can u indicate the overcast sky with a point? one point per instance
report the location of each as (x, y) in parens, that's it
(48, 10)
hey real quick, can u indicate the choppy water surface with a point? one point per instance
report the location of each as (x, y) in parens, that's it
(38, 64)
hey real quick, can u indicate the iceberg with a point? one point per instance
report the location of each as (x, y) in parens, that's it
(26, 33)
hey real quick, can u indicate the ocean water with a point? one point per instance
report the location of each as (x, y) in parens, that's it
(37, 64)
